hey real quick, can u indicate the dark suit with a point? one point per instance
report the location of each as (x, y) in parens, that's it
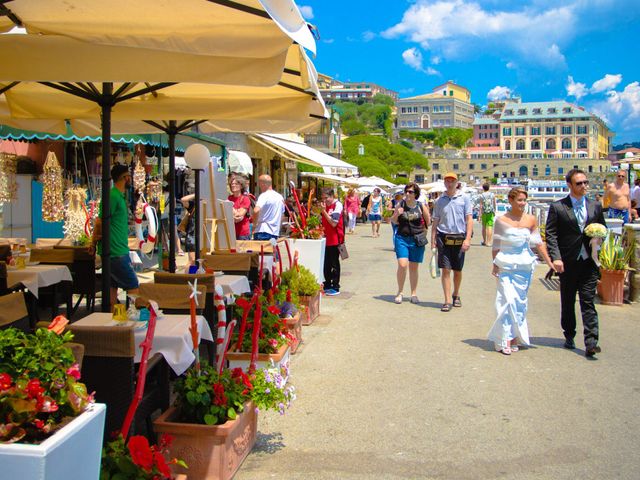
(564, 242)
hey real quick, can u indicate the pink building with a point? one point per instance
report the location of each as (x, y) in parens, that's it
(486, 132)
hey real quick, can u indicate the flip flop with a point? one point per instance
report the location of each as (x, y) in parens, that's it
(456, 301)
(446, 307)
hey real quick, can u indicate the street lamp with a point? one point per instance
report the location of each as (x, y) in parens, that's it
(197, 158)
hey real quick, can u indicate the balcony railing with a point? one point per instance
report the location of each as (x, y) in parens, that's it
(317, 140)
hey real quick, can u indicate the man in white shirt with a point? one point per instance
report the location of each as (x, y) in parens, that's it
(635, 194)
(267, 214)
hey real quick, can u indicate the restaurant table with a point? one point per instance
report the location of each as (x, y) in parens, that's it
(33, 277)
(236, 284)
(171, 338)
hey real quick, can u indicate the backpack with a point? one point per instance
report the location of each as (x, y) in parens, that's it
(487, 203)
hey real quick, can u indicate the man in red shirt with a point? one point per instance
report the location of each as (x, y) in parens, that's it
(332, 223)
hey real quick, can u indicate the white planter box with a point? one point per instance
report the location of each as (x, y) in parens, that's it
(310, 254)
(74, 452)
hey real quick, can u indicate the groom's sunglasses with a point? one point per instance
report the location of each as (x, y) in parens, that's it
(584, 182)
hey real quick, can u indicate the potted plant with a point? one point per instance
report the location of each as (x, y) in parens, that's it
(614, 258)
(45, 412)
(214, 418)
(305, 289)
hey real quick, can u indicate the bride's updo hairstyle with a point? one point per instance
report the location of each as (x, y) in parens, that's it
(515, 191)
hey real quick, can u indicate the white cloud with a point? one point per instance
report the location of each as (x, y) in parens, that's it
(413, 58)
(306, 11)
(621, 110)
(458, 28)
(511, 65)
(368, 36)
(435, 60)
(328, 40)
(576, 89)
(608, 82)
(499, 93)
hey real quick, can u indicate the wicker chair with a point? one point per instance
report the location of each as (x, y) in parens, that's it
(13, 311)
(62, 292)
(173, 298)
(5, 252)
(109, 370)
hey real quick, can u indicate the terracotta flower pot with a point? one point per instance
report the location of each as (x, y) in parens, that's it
(280, 360)
(312, 307)
(210, 451)
(611, 287)
(294, 325)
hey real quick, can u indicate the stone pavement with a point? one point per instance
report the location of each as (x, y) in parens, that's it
(407, 392)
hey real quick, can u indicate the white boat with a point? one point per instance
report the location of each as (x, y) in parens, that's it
(549, 190)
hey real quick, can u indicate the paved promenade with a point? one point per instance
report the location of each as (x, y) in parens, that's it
(407, 392)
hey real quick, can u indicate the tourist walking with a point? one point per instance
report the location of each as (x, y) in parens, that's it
(122, 273)
(374, 212)
(364, 207)
(241, 206)
(412, 219)
(487, 214)
(352, 206)
(569, 249)
(513, 264)
(267, 214)
(451, 234)
(619, 198)
(635, 194)
(333, 225)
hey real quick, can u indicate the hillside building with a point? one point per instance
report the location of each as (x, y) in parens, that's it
(332, 90)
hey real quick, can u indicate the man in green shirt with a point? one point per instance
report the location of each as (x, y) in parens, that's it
(122, 273)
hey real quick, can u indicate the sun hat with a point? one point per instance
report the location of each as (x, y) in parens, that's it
(451, 175)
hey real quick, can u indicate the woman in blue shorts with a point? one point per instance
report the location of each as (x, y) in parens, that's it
(412, 218)
(374, 212)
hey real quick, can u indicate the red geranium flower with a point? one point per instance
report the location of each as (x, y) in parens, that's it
(165, 441)
(273, 310)
(141, 453)
(161, 465)
(5, 381)
(74, 371)
(34, 390)
(219, 397)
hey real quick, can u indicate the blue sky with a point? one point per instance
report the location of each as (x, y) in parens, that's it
(583, 51)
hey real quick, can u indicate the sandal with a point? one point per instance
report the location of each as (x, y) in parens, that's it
(446, 307)
(414, 299)
(506, 351)
(514, 347)
(456, 301)
(398, 299)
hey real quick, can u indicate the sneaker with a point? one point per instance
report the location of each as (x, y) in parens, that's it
(331, 292)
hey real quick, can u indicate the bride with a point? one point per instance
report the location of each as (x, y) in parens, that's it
(513, 264)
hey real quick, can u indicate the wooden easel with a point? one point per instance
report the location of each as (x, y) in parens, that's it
(216, 219)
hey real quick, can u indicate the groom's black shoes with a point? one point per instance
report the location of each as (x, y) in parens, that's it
(591, 351)
(569, 344)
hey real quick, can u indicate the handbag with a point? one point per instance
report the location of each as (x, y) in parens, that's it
(433, 264)
(182, 226)
(343, 252)
(421, 239)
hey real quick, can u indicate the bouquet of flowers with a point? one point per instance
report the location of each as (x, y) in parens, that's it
(39, 387)
(596, 231)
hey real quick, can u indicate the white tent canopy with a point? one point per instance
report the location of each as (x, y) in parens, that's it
(374, 182)
(300, 152)
(331, 178)
(239, 162)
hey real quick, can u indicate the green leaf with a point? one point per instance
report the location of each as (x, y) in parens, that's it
(231, 413)
(210, 419)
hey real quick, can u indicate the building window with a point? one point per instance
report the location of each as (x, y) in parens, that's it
(507, 145)
(590, 168)
(534, 171)
(496, 175)
(566, 144)
(425, 109)
(403, 110)
(582, 143)
(537, 111)
(560, 171)
(435, 166)
(551, 110)
(520, 144)
(508, 112)
(566, 110)
(535, 144)
(451, 93)
(520, 131)
(403, 123)
(415, 109)
(535, 130)
(522, 111)
(472, 166)
(581, 129)
(419, 179)
(551, 130)
(551, 144)
(483, 166)
(447, 108)
(456, 166)
(547, 170)
(506, 131)
(566, 130)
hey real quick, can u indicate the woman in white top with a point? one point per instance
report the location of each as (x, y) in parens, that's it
(513, 264)
(374, 212)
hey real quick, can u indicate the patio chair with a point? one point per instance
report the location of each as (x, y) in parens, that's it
(29, 298)
(86, 283)
(173, 298)
(5, 252)
(62, 292)
(108, 369)
(13, 311)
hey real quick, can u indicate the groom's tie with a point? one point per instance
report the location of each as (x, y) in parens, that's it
(579, 210)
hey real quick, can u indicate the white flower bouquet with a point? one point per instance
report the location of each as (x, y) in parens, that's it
(597, 232)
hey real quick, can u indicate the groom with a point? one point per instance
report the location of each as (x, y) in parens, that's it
(569, 249)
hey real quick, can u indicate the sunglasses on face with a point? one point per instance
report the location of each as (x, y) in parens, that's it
(409, 191)
(584, 182)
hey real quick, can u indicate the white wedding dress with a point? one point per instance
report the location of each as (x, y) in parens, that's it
(516, 262)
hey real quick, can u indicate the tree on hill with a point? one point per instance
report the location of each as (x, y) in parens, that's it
(366, 117)
(381, 158)
(453, 137)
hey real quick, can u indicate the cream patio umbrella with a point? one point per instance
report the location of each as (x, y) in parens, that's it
(247, 29)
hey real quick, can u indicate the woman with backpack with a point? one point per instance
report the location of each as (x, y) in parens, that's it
(487, 214)
(412, 218)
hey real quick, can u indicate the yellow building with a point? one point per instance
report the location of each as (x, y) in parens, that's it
(447, 106)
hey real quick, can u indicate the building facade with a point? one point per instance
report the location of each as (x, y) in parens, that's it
(486, 132)
(333, 90)
(447, 106)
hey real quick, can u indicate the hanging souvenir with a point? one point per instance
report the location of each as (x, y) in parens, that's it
(75, 215)
(8, 185)
(139, 177)
(154, 191)
(52, 191)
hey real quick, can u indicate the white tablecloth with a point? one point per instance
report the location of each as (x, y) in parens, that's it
(36, 276)
(171, 338)
(236, 284)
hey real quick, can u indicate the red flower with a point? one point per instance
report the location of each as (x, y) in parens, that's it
(74, 371)
(219, 397)
(34, 390)
(242, 303)
(5, 381)
(273, 310)
(165, 441)
(38, 423)
(238, 374)
(161, 465)
(141, 453)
